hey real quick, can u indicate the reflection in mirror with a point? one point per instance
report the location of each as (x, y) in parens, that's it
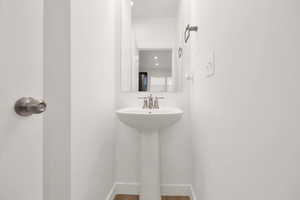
(151, 37)
(155, 70)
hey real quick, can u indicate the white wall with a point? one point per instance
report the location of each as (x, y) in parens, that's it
(155, 33)
(176, 156)
(246, 117)
(93, 96)
(127, 46)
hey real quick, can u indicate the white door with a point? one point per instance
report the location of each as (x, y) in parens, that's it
(21, 75)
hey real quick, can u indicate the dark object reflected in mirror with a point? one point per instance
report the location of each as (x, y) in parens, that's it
(143, 82)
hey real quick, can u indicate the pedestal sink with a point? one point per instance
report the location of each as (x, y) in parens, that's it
(149, 123)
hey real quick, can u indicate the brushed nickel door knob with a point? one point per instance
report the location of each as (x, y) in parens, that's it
(28, 106)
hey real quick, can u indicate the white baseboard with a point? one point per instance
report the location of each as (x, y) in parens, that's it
(112, 193)
(166, 190)
(127, 188)
(175, 190)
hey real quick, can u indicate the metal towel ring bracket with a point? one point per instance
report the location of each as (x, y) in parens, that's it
(187, 33)
(180, 52)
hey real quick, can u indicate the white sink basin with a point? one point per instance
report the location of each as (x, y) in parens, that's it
(146, 120)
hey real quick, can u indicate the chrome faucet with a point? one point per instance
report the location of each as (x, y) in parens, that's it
(145, 106)
(156, 102)
(150, 103)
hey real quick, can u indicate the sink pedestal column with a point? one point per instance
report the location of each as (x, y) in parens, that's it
(150, 166)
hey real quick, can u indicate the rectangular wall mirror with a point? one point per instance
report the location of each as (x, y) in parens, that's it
(151, 36)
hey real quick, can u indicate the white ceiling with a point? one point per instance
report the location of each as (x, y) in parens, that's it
(164, 59)
(155, 8)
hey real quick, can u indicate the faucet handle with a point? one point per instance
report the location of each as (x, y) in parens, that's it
(145, 105)
(156, 103)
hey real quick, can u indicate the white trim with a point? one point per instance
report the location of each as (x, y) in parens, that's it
(112, 193)
(166, 190)
(127, 188)
(193, 195)
(175, 190)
